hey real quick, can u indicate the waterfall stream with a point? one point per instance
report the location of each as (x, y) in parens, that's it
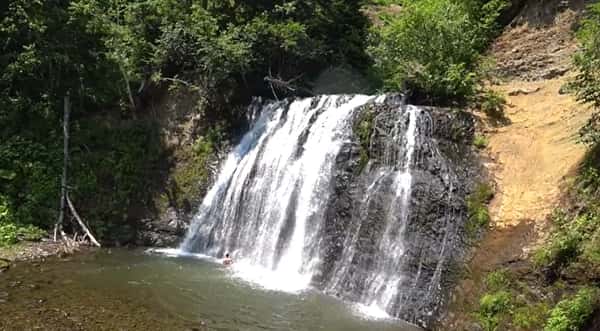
(269, 205)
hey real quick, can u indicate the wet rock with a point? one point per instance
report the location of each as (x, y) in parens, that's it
(166, 231)
(444, 171)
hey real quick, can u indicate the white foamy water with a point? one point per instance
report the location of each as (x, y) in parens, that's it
(372, 311)
(176, 252)
(268, 279)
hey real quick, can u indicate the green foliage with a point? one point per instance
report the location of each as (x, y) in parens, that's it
(30, 233)
(571, 314)
(217, 43)
(587, 81)
(493, 308)
(510, 303)
(572, 236)
(588, 180)
(497, 280)
(480, 142)
(8, 234)
(433, 46)
(492, 103)
(114, 172)
(191, 175)
(477, 201)
(530, 316)
(109, 55)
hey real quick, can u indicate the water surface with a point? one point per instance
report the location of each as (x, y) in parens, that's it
(134, 290)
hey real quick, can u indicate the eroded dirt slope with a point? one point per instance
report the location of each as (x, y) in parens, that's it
(531, 156)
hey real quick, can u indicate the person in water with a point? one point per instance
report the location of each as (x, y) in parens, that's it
(227, 260)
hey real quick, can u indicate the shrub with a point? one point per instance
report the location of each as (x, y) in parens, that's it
(530, 317)
(587, 81)
(569, 240)
(571, 314)
(497, 280)
(480, 142)
(30, 233)
(8, 234)
(493, 308)
(432, 47)
(477, 208)
(492, 103)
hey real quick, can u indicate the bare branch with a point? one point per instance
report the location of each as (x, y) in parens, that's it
(83, 226)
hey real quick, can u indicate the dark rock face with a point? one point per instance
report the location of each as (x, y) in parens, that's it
(166, 231)
(434, 241)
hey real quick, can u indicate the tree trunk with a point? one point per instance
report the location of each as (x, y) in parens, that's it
(128, 88)
(63, 182)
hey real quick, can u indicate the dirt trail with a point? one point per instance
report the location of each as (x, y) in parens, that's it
(532, 156)
(530, 160)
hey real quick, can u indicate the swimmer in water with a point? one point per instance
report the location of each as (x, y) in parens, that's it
(227, 260)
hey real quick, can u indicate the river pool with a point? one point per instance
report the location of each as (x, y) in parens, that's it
(137, 290)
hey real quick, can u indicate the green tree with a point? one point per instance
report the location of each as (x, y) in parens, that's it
(432, 47)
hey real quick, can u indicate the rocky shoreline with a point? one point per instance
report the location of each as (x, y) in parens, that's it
(28, 251)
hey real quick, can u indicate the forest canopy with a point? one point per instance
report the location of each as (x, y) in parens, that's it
(107, 54)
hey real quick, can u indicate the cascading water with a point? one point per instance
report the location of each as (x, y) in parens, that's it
(379, 289)
(295, 208)
(268, 201)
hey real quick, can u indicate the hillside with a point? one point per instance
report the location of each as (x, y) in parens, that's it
(532, 157)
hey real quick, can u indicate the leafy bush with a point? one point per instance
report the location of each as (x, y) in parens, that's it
(568, 241)
(493, 308)
(479, 216)
(432, 47)
(480, 142)
(571, 314)
(8, 234)
(587, 81)
(30, 233)
(492, 103)
(531, 316)
(497, 280)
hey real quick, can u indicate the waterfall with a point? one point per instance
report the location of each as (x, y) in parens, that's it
(293, 208)
(266, 206)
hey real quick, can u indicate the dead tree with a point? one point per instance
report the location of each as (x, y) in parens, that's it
(63, 181)
(285, 86)
(64, 194)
